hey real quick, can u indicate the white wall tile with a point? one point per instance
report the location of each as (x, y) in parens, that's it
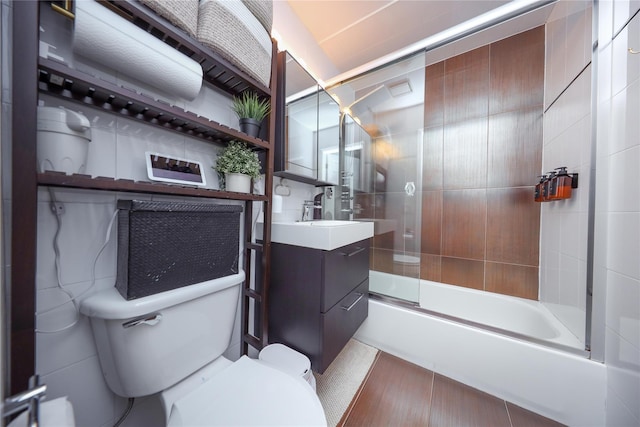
(618, 414)
(82, 234)
(578, 34)
(134, 139)
(624, 194)
(59, 350)
(626, 66)
(622, 11)
(623, 307)
(555, 60)
(206, 154)
(623, 243)
(82, 382)
(625, 126)
(623, 371)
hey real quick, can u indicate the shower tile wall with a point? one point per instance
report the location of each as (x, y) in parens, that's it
(482, 152)
(617, 248)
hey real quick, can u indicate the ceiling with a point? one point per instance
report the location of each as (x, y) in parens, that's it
(354, 32)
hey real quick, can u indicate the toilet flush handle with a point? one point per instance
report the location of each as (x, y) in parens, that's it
(147, 319)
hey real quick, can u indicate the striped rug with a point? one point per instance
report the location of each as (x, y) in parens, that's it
(340, 382)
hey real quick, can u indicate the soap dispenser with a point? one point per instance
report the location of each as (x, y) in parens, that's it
(539, 189)
(317, 203)
(546, 186)
(560, 186)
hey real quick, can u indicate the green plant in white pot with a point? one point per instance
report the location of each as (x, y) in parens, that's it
(251, 110)
(236, 166)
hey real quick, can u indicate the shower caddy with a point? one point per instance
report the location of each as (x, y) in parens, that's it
(33, 74)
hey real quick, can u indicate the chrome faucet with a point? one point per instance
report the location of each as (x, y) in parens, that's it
(307, 210)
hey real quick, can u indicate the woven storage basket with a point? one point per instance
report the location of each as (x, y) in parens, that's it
(262, 10)
(181, 13)
(166, 245)
(230, 29)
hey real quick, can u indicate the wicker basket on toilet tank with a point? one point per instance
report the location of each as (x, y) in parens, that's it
(168, 245)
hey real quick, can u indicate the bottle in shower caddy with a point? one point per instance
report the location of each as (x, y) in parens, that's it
(560, 185)
(546, 186)
(539, 189)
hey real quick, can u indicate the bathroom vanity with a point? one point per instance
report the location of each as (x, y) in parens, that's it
(318, 296)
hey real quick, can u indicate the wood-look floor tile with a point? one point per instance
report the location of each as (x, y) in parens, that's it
(396, 393)
(521, 417)
(455, 404)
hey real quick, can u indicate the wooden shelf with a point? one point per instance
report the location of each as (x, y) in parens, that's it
(60, 80)
(60, 179)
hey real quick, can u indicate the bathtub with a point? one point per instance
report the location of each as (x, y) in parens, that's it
(514, 349)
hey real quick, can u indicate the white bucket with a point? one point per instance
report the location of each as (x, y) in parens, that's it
(289, 361)
(63, 140)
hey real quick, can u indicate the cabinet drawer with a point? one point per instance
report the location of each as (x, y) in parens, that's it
(341, 322)
(344, 268)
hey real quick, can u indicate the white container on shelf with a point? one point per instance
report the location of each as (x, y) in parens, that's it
(237, 182)
(63, 140)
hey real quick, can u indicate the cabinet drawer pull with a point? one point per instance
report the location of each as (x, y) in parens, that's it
(360, 295)
(350, 254)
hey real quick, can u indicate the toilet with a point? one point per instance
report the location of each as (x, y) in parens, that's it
(172, 343)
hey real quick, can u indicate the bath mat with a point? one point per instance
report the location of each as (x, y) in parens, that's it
(340, 382)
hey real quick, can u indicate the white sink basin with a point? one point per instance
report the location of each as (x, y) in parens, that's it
(321, 234)
(324, 223)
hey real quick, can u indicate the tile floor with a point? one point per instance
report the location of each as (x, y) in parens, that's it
(399, 393)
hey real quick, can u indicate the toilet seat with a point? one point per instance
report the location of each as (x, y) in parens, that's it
(249, 393)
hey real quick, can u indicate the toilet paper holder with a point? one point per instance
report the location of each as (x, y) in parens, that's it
(29, 400)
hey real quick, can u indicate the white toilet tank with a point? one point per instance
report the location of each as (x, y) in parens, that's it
(148, 344)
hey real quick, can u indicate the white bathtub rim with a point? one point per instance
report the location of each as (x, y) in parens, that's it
(563, 338)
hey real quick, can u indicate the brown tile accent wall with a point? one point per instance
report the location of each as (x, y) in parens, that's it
(513, 226)
(510, 279)
(464, 219)
(517, 71)
(431, 237)
(382, 260)
(466, 85)
(430, 267)
(465, 154)
(434, 95)
(462, 272)
(483, 149)
(515, 139)
(433, 140)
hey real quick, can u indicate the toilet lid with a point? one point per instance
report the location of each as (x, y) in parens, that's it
(249, 393)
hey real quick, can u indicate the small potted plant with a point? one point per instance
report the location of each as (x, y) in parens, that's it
(251, 110)
(236, 166)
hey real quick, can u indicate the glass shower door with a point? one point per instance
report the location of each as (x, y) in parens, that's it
(381, 167)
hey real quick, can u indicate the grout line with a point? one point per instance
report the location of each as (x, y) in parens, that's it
(353, 402)
(506, 407)
(433, 387)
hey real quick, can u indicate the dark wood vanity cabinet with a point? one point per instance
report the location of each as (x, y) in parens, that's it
(318, 298)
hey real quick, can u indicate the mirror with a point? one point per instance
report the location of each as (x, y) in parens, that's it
(309, 145)
(328, 138)
(358, 162)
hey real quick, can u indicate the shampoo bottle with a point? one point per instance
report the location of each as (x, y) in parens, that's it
(538, 193)
(561, 185)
